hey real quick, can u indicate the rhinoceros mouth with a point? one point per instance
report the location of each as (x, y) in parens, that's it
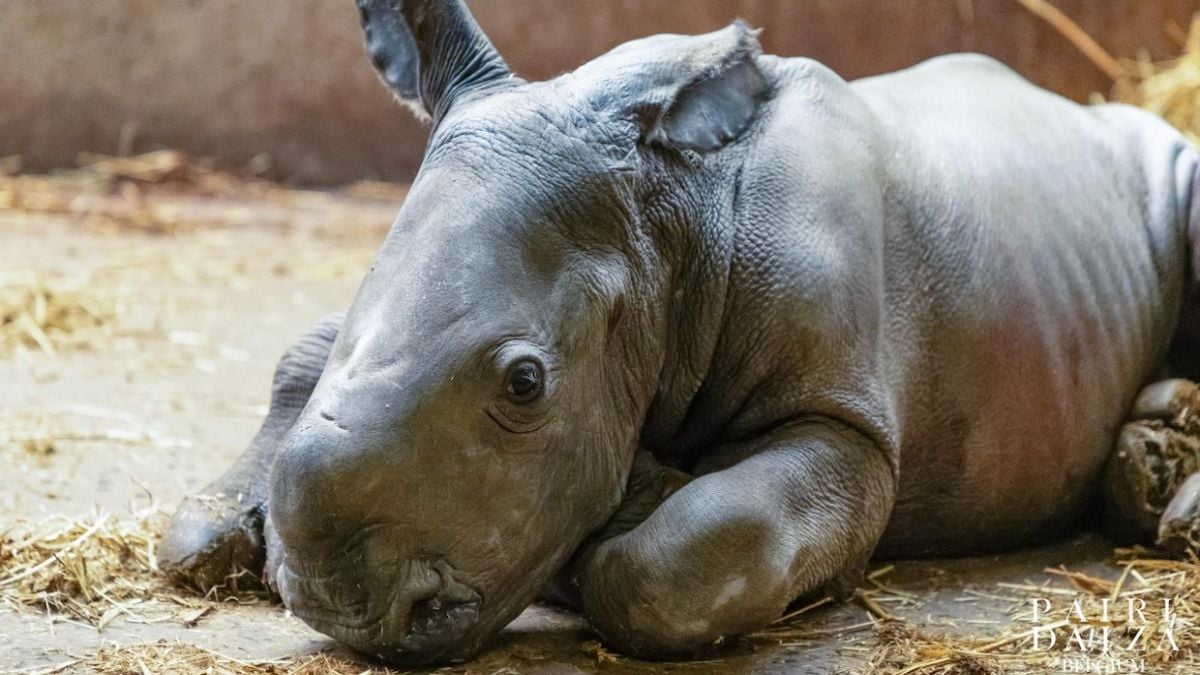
(410, 627)
(314, 600)
(432, 632)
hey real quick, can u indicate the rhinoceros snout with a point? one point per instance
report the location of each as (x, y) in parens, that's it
(323, 481)
(369, 524)
(422, 617)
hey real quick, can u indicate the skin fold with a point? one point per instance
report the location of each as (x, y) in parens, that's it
(693, 331)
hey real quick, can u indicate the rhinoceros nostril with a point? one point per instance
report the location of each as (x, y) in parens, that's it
(442, 607)
(440, 618)
(325, 415)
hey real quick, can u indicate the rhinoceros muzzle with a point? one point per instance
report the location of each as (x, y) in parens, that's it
(422, 617)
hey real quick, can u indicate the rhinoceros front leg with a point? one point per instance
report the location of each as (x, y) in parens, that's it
(1152, 483)
(726, 553)
(217, 534)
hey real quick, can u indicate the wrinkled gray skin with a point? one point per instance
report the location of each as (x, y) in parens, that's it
(902, 316)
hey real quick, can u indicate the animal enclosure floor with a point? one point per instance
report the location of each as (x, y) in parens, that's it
(154, 399)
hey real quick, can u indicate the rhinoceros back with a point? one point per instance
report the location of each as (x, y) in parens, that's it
(1037, 255)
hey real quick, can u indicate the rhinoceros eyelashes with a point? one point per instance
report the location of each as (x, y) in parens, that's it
(522, 407)
(525, 381)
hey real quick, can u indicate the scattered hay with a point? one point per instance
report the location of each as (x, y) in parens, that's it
(53, 314)
(1049, 627)
(95, 570)
(88, 570)
(596, 651)
(166, 657)
(31, 434)
(169, 193)
(114, 193)
(1077, 36)
(41, 432)
(98, 569)
(1170, 89)
(901, 645)
(102, 568)
(1147, 615)
(139, 293)
(151, 167)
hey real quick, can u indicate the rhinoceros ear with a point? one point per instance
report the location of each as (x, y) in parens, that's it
(710, 96)
(429, 52)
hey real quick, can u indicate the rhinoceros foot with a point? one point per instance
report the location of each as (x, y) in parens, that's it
(215, 541)
(1153, 478)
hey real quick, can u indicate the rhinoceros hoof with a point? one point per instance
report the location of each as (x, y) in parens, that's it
(1179, 529)
(1148, 467)
(214, 541)
(1173, 401)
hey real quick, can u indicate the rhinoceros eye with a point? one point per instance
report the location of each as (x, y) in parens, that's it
(524, 381)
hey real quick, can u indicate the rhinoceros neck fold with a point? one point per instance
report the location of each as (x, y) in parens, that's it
(696, 235)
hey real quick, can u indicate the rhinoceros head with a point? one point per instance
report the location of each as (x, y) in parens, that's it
(482, 405)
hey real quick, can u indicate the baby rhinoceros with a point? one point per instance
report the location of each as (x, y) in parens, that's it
(694, 331)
